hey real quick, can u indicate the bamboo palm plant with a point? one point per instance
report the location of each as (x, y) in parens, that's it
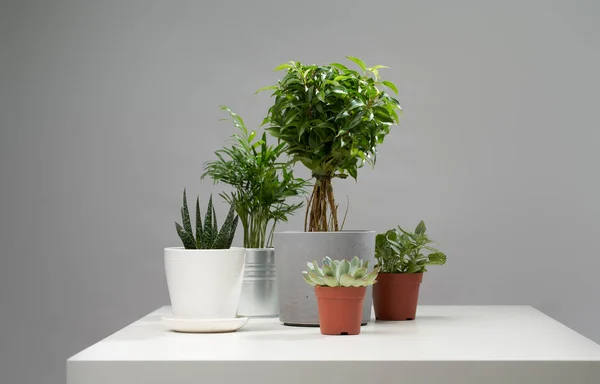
(261, 182)
(332, 118)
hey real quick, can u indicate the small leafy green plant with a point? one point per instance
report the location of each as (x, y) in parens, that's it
(208, 236)
(332, 118)
(400, 251)
(262, 183)
(340, 273)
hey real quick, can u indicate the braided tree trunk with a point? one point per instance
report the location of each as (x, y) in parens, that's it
(321, 209)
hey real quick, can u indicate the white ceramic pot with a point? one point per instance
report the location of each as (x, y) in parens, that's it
(205, 283)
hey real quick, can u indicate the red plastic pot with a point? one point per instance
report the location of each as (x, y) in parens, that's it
(340, 309)
(395, 296)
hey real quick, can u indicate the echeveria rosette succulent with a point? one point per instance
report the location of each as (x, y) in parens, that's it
(208, 236)
(340, 273)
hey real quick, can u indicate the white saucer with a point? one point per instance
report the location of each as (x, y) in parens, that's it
(182, 324)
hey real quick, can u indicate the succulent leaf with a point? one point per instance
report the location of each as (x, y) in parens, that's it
(343, 268)
(185, 215)
(354, 264)
(327, 270)
(222, 238)
(207, 238)
(198, 224)
(360, 273)
(316, 279)
(370, 278)
(307, 278)
(331, 281)
(186, 238)
(318, 270)
(346, 280)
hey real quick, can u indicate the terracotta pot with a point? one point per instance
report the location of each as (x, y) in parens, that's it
(340, 309)
(395, 296)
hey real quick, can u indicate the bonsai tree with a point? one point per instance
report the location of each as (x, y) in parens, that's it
(261, 182)
(208, 236)
(332, 118)
(400, 251)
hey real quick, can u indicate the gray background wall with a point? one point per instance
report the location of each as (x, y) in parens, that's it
(109, 108)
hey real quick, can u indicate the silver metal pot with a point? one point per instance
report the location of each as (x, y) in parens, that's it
(259, 288)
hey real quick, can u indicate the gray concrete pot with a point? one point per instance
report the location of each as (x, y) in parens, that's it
(259, 289)
(297, 302)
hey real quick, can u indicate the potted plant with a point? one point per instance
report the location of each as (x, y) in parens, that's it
(262, 184)
(332, 119)
(403, 257)
(340, 287)
(194, 293)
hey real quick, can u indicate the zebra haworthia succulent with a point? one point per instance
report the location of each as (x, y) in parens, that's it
(208, 236)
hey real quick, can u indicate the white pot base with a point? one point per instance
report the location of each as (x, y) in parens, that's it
(188, 325)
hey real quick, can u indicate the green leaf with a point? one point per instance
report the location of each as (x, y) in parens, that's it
(185, 216)
(198, 224)
(284, 66)
(232, 232)
(359, 62)
(307, 278)
(186, 238)
(330, 281)
(339, 66)
(437, 258)
(354, 264)
(346, 280)
(360, 273)
(420, 230)
(391, 86)
(318, 271)
(353, 172)
(222, 240)
(356, 104)
(207, 238)
(267, 88)
(370, 278)
(327, 270)
(343, 268)
(316, 279)
(340, 90)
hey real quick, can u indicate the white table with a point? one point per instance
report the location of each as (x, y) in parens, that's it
(446, 344)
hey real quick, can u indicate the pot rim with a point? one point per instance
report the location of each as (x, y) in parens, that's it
(204, 250)
(261, 249)
(343, 232)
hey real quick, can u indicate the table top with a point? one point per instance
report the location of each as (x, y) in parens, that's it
(440, 333)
